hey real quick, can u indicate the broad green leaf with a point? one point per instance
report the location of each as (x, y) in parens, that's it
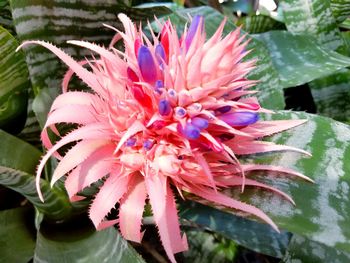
(340, 9)
(42, 104)
(58, 21)
(17, 236)
(270, 95)
(83, 244)
(259, 23)
(206, 247)
(332, 94)
(301, 249)
(5, 16)
(247, 233)
(13, 80)
(299, 58)
(314, 18)
(56, 205)
(17, 154)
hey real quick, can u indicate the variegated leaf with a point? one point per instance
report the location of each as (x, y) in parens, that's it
(16, 235)
(332, 95)
(76, 243)
(322, 210)
(58, 21)
(340, 9)
(271, 95)
(5, 16)
(13, 82)
(301, 249)
(299, 58)
(313, 17)
(259, 23)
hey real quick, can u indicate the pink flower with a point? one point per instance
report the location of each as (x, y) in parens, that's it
(165, 116)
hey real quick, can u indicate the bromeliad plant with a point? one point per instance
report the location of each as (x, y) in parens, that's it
(170, 126)
(163, 116)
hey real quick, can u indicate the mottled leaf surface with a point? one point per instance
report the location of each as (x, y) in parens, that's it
(315, 18)
(84, 246)
(259, 24)
(17, 240)
(299, 58)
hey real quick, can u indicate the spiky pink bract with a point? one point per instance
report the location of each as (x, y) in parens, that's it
(164, 115)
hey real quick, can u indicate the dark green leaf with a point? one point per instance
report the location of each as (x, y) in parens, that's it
(259, 23)
(83, 245)
(17, 239)
(299, 58)
(340, 9)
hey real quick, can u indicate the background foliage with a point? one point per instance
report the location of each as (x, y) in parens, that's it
(303, 49)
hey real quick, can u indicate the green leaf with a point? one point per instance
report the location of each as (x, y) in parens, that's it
(81, 244)
(299, 58)
(271, 95)
(58, 21)
(5, 16)
(314, 18)
(13, 80)
(247, 233)
(259, 23)
(301, 249)
(17, 239)
(331, 95)
(340, 9)
(322, 210)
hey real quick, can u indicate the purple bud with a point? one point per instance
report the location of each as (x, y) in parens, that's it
(191, 131)
(147, 65)
(159, 84)
(172, 92)
(180, 112)
(160, 54)
(164, 107)
(242, 118)
(148, 144)
(196, 22)
(201, 123)
(130, 142)
(224, 109)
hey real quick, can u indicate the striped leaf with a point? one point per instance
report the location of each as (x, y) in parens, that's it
(340, 9)
(16, 236)
(299, 58)
(313, 17)
(322, 210)
(259, 23)
(247, 233)
(18, 160)
(271, 95)
(74, 243)
(301, 249)
(58, 21)
(13, 81)
(5, 16)
(332, 94)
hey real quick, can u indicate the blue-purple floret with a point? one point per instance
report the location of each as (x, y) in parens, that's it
(191, 131)
(238, 119)
(200, 123)
(196, 22)
(224, 109)
(130, 142)
(147, 144)
(147, 65)
(160, 54)
(164, 107)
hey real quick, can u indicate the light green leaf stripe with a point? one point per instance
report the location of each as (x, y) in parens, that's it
(259, 23)
(340, 9)
(58, 21)
(303, 250)
(332, 95)
(322, 211)
(313, 17)
(16, 237)
(83, 246)
(299, 58)
(271, 94)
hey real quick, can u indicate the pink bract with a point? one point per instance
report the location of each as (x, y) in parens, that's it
(165, 116)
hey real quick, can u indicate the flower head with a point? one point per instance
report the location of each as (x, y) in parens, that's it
(165, 116)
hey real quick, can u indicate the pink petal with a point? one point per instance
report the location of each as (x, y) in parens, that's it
(131, 209)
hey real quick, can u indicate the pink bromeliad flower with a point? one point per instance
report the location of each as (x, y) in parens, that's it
(166, 116)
